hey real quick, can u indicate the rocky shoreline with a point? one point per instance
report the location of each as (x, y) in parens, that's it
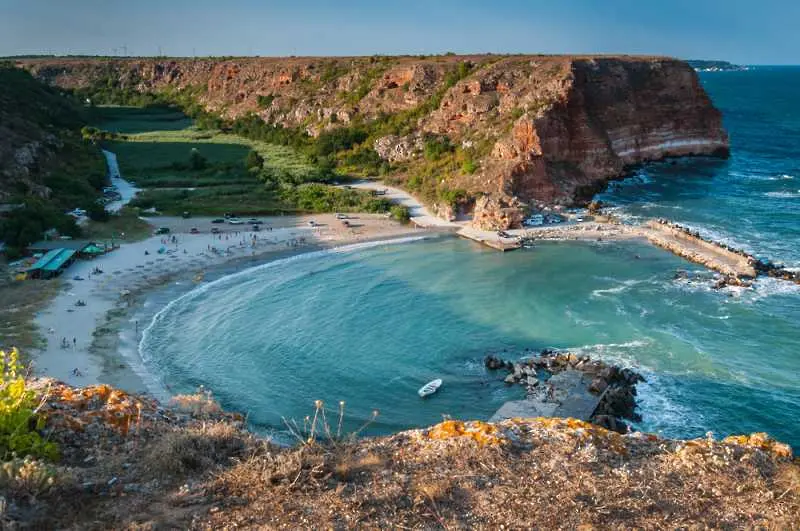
(614, 387)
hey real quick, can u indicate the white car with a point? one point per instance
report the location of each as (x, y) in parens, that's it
(235, 221)
(341, 216)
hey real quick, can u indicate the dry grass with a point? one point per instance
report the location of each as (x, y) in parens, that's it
(21, 301)
(193, 450)
(547, 474)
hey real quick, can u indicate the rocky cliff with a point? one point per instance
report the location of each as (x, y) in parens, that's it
(549, 129)
(128, 462)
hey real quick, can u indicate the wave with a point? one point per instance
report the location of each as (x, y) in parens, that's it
(199, 290)
(624, 286)
(783, 195)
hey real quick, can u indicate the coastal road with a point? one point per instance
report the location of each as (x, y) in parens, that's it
(419, 214)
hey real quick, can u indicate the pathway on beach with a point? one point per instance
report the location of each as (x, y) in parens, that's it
(420, 215)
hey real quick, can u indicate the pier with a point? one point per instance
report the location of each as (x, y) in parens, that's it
(490, 239)
(570, 399)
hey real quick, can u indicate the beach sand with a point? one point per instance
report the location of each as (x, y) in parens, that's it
(80, 340)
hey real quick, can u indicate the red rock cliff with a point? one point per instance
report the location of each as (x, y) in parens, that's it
(543, 128)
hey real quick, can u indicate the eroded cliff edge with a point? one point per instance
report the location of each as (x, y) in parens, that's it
(549, 129)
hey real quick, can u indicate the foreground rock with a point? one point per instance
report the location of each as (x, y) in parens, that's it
(129, 462)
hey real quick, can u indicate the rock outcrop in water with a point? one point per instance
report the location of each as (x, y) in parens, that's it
(547, 129)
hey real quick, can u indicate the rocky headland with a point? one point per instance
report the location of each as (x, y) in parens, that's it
(128, 462)
(520, 130)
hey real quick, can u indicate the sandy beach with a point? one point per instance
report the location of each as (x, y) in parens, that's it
(79, 339)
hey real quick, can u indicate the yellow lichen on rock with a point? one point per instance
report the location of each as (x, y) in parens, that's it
(481, 432)
(762, 441)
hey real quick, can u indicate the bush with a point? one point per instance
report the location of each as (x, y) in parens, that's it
(19, 421)
(437, 146)
(254, 161)
(97, 212)
(401, 213)
(469, 167)
(265, 101)
(197, 161)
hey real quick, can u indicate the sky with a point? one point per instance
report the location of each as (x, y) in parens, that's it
(740, 31)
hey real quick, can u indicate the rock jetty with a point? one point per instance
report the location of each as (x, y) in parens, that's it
(567, 384)
(737, 266)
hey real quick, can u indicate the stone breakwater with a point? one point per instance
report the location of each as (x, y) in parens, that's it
(738, 266)
(563, 382)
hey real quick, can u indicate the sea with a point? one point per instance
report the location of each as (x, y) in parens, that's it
(362, 327)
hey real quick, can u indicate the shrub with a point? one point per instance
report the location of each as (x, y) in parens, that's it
(97, 212)
(19, 419)
(265, 101)
(28, 477)
(197, 161)
(401, 213)
(437, 146)
(253, 161)
(469, 167)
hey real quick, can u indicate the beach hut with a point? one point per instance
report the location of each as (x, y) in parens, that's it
(52, 264)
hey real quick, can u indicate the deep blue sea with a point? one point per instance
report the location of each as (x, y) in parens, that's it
(369, 325)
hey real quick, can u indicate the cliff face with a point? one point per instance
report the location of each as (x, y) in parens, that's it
(541, 128)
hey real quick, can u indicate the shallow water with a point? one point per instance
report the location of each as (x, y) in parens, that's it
(372, 325)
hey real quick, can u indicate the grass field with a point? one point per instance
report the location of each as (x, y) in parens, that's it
(155, 154)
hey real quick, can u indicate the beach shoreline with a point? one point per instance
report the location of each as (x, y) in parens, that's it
(82, 323)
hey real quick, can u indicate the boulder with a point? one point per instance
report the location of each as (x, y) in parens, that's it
(598, 385)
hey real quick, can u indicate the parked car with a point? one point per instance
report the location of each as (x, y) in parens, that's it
(235, 221)
(162, 230)
(194, 230)
(254, 221)
(215, 230)
(186, 215)
(341, 216)
(218, 220)
(256, 228)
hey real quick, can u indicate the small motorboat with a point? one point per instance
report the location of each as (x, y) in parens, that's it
(429, 388)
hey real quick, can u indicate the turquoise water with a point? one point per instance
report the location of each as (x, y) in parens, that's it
(370, 325)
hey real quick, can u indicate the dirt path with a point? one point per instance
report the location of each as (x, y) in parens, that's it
(420, 215)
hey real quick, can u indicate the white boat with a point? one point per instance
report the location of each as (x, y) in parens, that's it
(429, 388)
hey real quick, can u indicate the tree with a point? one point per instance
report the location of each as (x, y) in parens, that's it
(97, 212)
(254, 161)
(197, 161)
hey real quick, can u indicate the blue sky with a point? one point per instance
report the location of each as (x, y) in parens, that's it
(763, 32)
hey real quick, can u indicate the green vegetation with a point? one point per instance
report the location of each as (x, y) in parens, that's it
(401, 213)
(19, 422)
(125, 225)
(25, 225)
(226, 146)
(265, 101)
(68, 172)
(315, 197)
(212, 172)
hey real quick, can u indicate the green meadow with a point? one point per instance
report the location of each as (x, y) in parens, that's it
(182, 168)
